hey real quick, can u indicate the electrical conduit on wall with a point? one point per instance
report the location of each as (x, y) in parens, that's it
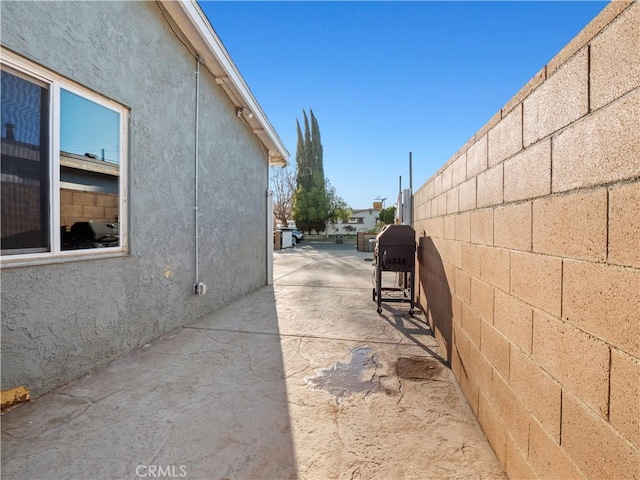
(196, 285)
(269, 233)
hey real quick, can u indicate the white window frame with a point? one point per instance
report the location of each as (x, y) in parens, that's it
(55, 82)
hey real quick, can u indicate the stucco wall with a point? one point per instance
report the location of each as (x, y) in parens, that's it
(61, 320)
(529, 260)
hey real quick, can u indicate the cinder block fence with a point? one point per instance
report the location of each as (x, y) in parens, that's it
(529, 262)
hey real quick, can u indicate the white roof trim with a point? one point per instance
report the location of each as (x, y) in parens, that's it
(196, 27)
(356, 210)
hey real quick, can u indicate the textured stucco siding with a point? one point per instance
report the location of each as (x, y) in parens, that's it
(59, 321)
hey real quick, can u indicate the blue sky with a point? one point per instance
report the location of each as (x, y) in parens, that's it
(387, 78)
(86, 127)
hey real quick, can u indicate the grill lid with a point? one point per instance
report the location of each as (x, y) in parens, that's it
(396, 235)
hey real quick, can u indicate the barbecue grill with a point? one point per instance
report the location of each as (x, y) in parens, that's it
(395, 251)
(91, 235)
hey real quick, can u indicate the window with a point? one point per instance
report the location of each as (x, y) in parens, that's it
(356, 220)
(63, 166)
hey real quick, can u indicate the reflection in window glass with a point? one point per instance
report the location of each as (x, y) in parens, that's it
(88, 129)
(24, 220)
(89, 173)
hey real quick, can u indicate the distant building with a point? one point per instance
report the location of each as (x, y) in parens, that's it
(361, 220)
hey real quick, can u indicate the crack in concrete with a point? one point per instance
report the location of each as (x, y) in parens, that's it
(375, 379)
(186, 354)
(78, 397)
(409, 455)
(52, 426)
(286, 400)
(302, 355)
(161, 447)
(355, 474)
(11, 435)
(85, 398)
(239, 346)
(464, 447)
(337, 423)
(304, 369)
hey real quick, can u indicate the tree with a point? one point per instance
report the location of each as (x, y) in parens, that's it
(338, 208)
(388, 215)
(310, 203)
(283, 184)
(316, 146)
(315, 202)
(303, 175)
(308, 149)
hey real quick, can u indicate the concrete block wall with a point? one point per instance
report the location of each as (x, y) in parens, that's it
(529, 262)
(77, 206)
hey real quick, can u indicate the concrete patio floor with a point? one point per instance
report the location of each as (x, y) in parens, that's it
(300, 380)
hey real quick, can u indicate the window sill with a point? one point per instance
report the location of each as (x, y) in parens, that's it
(50, 259)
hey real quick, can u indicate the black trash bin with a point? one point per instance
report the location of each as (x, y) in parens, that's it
(338, 238)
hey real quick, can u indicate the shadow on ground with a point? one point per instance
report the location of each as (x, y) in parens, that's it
(200, 403)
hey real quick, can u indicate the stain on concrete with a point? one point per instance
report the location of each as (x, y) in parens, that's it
(341, 380)
(417, 368)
